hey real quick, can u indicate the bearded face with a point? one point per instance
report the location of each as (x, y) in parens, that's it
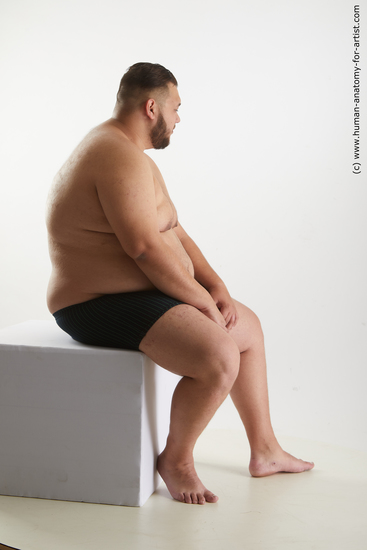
(159, 134)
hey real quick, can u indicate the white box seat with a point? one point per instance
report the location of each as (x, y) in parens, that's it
(77, 422)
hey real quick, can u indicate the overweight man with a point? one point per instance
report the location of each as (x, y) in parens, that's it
(126, 274)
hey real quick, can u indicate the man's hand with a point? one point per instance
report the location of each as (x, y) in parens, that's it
(225, 304)
(225, 313)
(215, 315)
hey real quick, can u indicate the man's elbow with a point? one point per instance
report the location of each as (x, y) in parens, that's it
(142, 250)
(140, 257)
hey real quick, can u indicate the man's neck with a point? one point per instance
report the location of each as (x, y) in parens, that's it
(133, 127)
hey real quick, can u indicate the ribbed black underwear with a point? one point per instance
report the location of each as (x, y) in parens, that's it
(115, 320)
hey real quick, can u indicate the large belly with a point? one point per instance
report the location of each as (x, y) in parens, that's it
(174, 242)
(92, 271)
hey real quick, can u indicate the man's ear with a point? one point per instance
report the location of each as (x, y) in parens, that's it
(151, 108)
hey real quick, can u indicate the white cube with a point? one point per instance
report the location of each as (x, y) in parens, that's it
(77, 422)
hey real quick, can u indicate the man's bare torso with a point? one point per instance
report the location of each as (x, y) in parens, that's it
(88, 260)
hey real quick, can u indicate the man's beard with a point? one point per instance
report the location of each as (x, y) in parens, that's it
(158, 134)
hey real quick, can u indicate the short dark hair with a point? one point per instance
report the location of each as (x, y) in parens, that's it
(140, 80)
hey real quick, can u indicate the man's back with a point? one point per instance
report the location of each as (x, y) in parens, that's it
(87, 257)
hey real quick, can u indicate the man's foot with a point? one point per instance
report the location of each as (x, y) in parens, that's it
(269, 463)
(183, 483)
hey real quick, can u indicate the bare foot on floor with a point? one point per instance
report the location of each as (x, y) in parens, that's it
(275, 462)
(183, 483)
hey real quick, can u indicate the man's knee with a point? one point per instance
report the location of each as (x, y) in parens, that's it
(222, 362)
(251, 324)
(256, 327)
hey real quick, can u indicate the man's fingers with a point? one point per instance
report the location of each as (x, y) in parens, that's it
(221, 322)
(216, 316)
(230, 316)
(231, 323)
(226, 312)
(235, 318)
(231, 320)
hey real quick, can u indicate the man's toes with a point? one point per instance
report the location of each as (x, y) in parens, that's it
(309, 466)
(210, 497)
(201, 499)
(194, 498)
(187, 498)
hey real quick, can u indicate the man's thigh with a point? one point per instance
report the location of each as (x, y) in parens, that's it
(184, 339)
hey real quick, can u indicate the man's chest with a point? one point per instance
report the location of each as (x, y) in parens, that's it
(166, 211)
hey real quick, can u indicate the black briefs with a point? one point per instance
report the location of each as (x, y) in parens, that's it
(115, 320)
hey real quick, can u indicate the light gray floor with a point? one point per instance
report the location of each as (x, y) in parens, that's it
(323, 509)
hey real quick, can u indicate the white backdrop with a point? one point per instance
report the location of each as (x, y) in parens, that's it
(260, 169)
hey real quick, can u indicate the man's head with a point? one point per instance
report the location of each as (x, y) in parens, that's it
(142, 81)
(151, 89)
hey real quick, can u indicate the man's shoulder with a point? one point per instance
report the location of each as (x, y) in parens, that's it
(106, 149)
(109, 140)
(110, 156)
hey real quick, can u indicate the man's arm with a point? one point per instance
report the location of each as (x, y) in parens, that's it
(125, 187)
(208, 278)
